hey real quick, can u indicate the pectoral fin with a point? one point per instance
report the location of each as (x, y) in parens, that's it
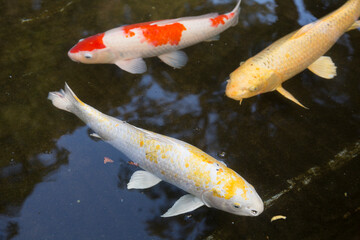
(214, 38)
(95, 135)
(186, 203)
(355, 25)
(323, 67)
(288, 95)
(176, 59)
(135, 66)
(142, 179)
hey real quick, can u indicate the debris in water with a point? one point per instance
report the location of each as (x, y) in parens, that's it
(278, 217)
(107, 160)
(132, 163)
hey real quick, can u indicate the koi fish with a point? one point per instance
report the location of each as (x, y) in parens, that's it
(126, 46)
(292, 54)
(206, 180)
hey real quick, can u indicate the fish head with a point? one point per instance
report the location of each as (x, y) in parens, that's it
(234, 195)
(250, 79)
(91, 50)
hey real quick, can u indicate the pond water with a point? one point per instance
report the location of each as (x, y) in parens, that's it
(53, 180)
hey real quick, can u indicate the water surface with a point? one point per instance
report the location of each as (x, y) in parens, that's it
(55, 185)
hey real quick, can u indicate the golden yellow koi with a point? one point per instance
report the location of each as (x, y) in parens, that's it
(292, 54)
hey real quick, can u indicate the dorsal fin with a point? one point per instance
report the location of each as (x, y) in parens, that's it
(303, 30)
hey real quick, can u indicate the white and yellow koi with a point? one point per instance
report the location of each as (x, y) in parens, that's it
(208, 181)
(293, 53)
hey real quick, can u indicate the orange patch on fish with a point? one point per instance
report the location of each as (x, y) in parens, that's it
(220, 19)
(157, 35)
(131, 34)
(89, 44)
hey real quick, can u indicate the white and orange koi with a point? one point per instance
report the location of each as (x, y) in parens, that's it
(292, 54)
(126, 46)
(208, 181)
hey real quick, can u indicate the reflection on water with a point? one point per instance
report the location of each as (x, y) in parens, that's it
(305, 16)
(54, 184)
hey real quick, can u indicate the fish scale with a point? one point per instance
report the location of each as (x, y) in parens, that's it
(208, 181)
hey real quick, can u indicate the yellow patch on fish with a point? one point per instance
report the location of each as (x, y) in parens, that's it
(79, 101)
(152, 157)
(231, 186)
(199, 154)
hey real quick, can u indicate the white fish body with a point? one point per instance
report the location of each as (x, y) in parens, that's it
(126, 46)
(208, 181)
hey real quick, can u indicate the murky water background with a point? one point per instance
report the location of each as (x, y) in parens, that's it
(54, 184)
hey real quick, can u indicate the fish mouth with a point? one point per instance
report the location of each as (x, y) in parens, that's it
(257, 208)
(73, 56)
(234, 93)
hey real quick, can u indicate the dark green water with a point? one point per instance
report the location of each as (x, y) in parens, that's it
(54, 184)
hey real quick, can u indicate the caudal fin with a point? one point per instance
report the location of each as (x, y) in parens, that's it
(237, 7)
(64, 99)
(236, 11)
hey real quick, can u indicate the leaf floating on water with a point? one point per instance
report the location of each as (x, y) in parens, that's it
(132, 163)
(278, 217)
(107, 160)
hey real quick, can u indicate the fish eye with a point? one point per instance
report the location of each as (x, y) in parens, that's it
(253, 88)
(236, 205)
(254, 212)
(88, 55)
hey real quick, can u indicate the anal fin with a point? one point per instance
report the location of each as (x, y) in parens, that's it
(95, 135)
(323, 67)
(214, 38)
(288, 95)
(186, 203)
(142, 180)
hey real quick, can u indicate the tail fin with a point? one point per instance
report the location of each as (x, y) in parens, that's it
(236, 11)
(64, 100)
